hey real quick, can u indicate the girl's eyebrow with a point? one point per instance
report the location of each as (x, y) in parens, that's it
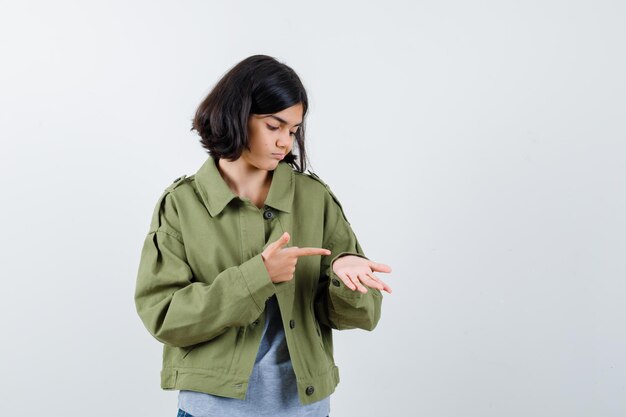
(281, 120)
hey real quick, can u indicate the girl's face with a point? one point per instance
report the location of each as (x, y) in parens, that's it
(271, 136)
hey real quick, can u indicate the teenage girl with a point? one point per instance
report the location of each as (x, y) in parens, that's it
(251, 262)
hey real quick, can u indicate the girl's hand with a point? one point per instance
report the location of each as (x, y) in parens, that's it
(281, 262)
(354, 270)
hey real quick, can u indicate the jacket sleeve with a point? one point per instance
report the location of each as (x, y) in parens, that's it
(181, 312)
(336, 305)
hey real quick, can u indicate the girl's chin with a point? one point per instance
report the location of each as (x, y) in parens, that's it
(274, 163)
(267, 166)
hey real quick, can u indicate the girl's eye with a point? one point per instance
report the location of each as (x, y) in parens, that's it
(270, 127)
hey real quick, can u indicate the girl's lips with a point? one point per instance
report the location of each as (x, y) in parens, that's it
(278, 155)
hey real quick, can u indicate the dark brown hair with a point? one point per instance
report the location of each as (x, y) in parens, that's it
(257, 85)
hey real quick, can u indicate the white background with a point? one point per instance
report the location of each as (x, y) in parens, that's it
(478, 148)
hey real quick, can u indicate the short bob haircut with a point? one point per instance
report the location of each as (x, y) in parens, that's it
(257, 85)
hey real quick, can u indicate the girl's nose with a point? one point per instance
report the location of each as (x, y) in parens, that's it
(284, 140)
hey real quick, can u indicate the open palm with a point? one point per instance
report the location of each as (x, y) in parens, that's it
(357, 272)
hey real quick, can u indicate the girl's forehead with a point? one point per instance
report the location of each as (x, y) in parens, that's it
(281, 118)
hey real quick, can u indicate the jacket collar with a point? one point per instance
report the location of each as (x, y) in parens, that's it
(216, 194)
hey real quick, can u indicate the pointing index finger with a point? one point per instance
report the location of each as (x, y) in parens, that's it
(311, 251)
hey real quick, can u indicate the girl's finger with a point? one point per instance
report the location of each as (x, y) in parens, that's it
(385, 287)
(346, 280)
(374, 279)
(356, 279)
(354, 282)
(379, 267)
(276, 245)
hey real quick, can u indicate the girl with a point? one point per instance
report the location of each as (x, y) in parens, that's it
(250, 262)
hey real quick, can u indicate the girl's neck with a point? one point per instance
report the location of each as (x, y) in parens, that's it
(245, 180)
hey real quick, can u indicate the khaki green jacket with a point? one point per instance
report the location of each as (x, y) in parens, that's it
(202, 285)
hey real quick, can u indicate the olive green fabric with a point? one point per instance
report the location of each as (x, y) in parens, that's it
(202, 284)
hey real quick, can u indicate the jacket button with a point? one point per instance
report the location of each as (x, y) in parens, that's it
(268, 214)
(292, 323)
(310, 390)
(336, 282)
(256, 322)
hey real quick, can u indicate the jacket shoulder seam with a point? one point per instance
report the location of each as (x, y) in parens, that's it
(334, 197)
(172, 233)
(178, 181)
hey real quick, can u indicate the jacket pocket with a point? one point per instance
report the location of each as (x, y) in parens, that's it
(188, 350)
(241, 335)
(318, 330)
(215, 355)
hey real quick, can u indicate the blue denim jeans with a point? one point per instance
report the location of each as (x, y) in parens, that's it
(181, 413)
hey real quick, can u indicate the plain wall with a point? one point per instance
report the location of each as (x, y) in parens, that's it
(478, 148)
